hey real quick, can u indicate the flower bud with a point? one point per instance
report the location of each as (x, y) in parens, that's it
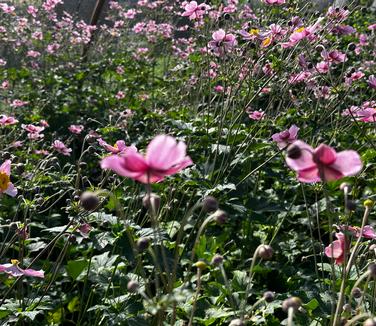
(220, 216)
(217, 260)
(351, 205)
(152, 201)
(89, 201)
(268, 296)
(345, 185)
(352, 47)
(201, 265)
(236, 322)
(346, 307)
(209, 204)
(294, 152)
(368, 203)
(142, 244)
(132, 286)
(372, 270)
(265, 252)
(356, 293)
(370, 322)
(293, 302)
(372, 248)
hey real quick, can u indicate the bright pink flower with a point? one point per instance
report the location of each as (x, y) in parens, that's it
(194, 10)
(14, 270)
(275, 2)
(334, 56)
(76, 129)
(222, 43)
(286, 137)
(164, 156)
(322, 163)
(6, 186)
(369, 232)
(60, 147)
(219, 89)
(18, 103)
(118, 148)
(7, 121)
(322, 67)
(337, 249)
(256, 115)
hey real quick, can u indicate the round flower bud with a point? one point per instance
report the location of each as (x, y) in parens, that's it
(356, 293)
(294, 152)
(152, 201)
(142, 243)
(220, 216)
(372, 248)
(368, 203)
(265, 252)
(370, 322)
(352, 47)
(132, 286)
(345, 185)
(89, 201)
(217, 260)
(209, 204)
(372, 270)
(201, 265)
(293, 302)
(346, 307)
(351, 205)
(236, 322)
(268, 296)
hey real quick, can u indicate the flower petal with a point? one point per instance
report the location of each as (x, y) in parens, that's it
(348, 163)
(304, 161)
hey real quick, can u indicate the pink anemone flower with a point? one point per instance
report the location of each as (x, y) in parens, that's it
(286, 137)
(14, 270)
(322, 163)
(193, 10)
(337, 249)
(275, 2)
(7, 121)
(164, 156)
(222, 43)
(118, 148)
(6, 186)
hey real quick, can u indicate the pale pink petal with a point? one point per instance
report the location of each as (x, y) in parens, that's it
(164, 152)
(305, 160)
(348, 163)
(309, 175)
(334, 250)
(293, 131)
(5, 167)
(182, 165)
(219, 35)
(33, 273)
(131, 166)
(369, 232)
(11, 191)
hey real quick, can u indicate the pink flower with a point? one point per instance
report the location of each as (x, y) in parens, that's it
(18, 103)
(219, 89)
(322, 67)
(118, 148)
(222, 43)
(369, 232)
(7, 121)
(6, 186)
(76, 129)
(60, 147)
(337, 249)
(372, 81)
(120, 95)
(275, 2)
(14, 270)
(256, 115)
(286, 137)
(164, 156)
(334, 56)
(194, 10)
(322, 163)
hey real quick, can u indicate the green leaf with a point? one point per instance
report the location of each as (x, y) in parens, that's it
(312, 305)
(75, 267)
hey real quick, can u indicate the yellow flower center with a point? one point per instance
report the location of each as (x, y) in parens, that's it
(14, 261)
(254, 31)
(115, 145)
(4, 181)
(299, 30)
(267, 41)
